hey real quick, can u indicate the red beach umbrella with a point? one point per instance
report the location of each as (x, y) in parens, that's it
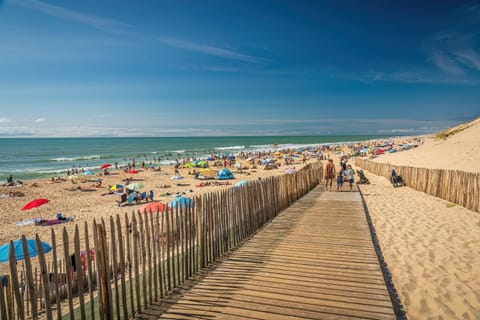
(155, 206)
(133, 171)
(105, 166)
(35, 204)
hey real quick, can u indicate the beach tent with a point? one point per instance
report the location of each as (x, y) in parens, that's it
(181, 202)
(224, 174)
(155, 207)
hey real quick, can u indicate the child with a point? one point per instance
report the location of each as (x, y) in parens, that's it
(339, 181)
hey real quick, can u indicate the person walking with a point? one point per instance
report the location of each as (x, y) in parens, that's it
(329, 174)
(350, 174)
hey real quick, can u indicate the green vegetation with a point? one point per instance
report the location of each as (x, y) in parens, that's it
(454, 130)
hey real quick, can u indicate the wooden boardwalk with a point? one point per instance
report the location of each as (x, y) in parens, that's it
(316, 260)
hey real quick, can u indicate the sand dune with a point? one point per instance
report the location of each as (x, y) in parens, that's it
(459, 151)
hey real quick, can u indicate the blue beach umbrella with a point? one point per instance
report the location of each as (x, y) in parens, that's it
(181, 202)
(18, 247)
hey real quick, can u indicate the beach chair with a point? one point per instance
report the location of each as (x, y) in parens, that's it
(363, 179)
(142, 196)
(397, 181)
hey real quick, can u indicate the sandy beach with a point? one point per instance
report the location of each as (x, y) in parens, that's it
(431, 246)
(94, 203)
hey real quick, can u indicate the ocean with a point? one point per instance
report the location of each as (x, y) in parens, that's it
(34, 158)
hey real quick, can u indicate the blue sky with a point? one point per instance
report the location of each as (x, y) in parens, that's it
(176, 68)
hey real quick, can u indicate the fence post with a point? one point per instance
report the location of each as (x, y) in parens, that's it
(106, 310)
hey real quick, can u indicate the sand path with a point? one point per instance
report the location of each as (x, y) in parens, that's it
(432, 250)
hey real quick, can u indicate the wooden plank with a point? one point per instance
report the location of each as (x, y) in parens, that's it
(114, 269)
(97, 266)
(3, 301)
(104, 283)
(44, 277)
(79, 273)
(15, 284)
(148, 261)
(55, 275)
(90, 272)
(136, 252)
(128, 234)
(69, 272)
(143, 258)
(29, 277)
(122, 268)
(154, 265)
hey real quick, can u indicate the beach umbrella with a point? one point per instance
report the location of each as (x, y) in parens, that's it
(132, 171)
(88, 173)
(181, 202)
(155, 207)
(134, 186)
(201, 163)
(105, 166)
(35, 204)
(18, 249)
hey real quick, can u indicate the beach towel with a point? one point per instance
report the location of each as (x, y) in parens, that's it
(25, 222)
(44, 223)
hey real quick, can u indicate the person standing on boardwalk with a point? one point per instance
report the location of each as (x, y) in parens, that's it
(350, 174)
(329, 174)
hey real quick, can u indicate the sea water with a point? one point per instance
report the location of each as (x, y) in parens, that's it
(32, 158)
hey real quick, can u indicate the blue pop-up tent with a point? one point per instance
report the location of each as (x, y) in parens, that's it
(224, 174)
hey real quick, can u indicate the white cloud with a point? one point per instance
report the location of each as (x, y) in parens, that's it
(205, 49)
(40, 120)
(469, 58)
(4, 120)
(446, 63)
(101, 23)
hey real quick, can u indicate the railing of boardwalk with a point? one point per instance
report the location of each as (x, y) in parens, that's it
(459, 187)
(115, 268)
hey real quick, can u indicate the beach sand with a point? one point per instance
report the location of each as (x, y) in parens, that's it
(432, 248)
(88, 205)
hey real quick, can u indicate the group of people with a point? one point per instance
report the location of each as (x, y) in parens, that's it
(345, 174)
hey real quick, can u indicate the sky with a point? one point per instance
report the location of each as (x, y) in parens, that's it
(214, 68)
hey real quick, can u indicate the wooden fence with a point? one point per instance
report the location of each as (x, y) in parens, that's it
(115, 268)
(459, 187)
